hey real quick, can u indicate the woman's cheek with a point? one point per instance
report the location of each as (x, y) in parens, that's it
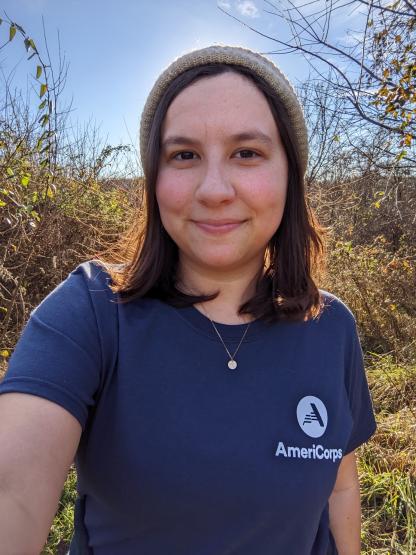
(171, 193)
(267, 190)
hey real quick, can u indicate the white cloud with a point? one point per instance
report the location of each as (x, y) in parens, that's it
(247, 8)
(224, 4)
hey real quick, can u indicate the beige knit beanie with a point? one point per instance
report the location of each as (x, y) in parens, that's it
(256, 63)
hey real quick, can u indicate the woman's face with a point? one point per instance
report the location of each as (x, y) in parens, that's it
(222, 179)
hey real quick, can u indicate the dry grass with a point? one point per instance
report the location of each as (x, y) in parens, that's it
(372, 268)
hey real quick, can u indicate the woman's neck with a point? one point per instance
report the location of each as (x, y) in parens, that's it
(234, 289)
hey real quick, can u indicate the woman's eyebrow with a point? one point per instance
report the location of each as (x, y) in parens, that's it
(254, 135)
(179, 140)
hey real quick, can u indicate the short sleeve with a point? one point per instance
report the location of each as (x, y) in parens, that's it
(364, 423)
(59, 355)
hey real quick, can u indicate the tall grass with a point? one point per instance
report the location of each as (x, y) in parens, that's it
(372, 267)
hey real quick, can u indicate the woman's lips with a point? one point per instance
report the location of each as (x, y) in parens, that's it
(217, 228)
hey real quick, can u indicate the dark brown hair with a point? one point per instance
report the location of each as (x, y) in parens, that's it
(143, 263)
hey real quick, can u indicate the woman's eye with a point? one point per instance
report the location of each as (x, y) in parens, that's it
(185, 155)
(247, 153)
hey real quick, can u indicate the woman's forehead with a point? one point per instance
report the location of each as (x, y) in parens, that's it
(228, 101)
(227, 86)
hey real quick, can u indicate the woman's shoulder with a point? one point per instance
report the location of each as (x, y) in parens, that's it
(95, 270)
(93, 276)
(335, 310)
(86, 286)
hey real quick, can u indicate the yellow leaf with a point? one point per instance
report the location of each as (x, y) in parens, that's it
(12, 32)
(25, 180)
(5, 353)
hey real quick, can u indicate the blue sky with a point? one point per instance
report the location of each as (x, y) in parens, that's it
(116, 49)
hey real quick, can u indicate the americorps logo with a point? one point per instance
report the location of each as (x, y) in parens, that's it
(313, 420)
(314, 452)
(312, 416)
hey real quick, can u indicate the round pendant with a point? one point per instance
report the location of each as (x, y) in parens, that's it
(232, 364)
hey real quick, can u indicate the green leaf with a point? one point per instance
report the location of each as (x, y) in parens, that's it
(32, 45)
(2, 203)
(38, 72)
(42, 104)
(12, 32)
(39, 144)
(10, 172)
(25, 180)
(43, 89)
(27, 44)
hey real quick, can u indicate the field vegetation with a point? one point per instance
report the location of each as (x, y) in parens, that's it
(64, 196)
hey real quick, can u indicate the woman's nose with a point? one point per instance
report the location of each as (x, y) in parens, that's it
(215, 186)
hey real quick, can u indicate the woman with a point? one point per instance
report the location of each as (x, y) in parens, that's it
(212, 396)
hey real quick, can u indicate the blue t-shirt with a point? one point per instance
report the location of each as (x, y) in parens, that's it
(179, 454)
